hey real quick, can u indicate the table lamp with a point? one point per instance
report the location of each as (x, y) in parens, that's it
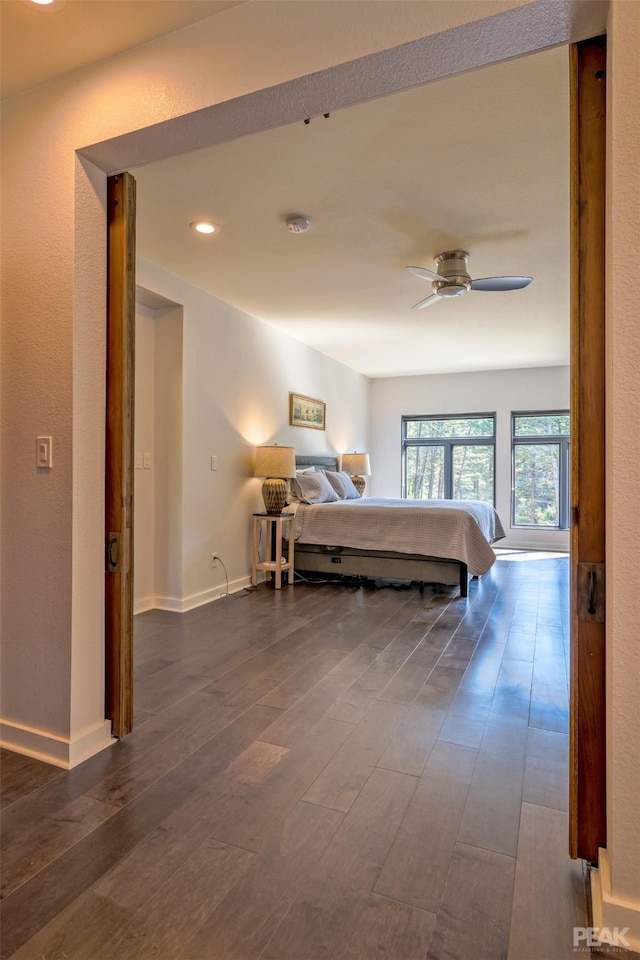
(357, 464)
(277, 464)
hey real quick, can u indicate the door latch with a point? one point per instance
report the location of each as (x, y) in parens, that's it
(591, 592)
(113, 553)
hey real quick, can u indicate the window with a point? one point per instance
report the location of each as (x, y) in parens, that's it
(449, 458)
(541, 469)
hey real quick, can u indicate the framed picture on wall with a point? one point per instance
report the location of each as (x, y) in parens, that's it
(306, 412)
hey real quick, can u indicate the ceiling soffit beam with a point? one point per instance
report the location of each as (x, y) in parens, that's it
(517, 32)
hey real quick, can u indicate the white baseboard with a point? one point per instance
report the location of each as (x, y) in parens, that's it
(611, 914)
(559, 546)
(143, 604)
(51, 748)
(177, 605)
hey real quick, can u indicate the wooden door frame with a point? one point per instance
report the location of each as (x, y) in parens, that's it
(119, 458)
(587, 765)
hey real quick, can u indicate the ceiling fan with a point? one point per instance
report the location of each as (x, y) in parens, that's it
(452, 279)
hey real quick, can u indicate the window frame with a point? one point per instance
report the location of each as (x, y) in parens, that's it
(448, 443)
(563, 441)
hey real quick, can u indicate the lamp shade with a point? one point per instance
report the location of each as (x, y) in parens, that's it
(357, 464)
(275, 461)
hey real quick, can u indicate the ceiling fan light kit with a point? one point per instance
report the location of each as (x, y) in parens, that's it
(453, 280)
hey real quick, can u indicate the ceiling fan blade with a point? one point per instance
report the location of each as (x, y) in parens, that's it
(425, 303)
(497, 284)
(424, 274)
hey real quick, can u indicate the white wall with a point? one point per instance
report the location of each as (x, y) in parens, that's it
(158, 442)
(144, 518)
(169, 447)
(236, 378)
(494, 391)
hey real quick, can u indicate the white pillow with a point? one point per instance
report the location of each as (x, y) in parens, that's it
(292, 496)
(342, 484)
(314, 488)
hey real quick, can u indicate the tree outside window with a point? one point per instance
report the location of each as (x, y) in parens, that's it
(541, 469)
(449, 457)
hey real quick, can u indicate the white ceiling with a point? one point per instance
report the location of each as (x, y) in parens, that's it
(477, 162)
(40, 43)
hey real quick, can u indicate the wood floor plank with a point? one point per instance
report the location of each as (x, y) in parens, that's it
(160, 929)
(78, 932)
(146, 668)
(35, 903)
(475, 617)
(130, 781)
(296, 722)
(254, 766)
(32, 852)
(549, 895)
(512, 694)
(479, 885)
(387, 928)
(492, 812)
(242, 924)
(458, 653)
(290, 690)
(520, 646)
(546, 769)
(549, 695)
(48, 798)
(248, 817)
(344, 776)
(168, 686)
(413, 741)
(367, 686)
(416, 868)
(278, 660)
(417, 668)
(320, 923)
(152, 862)
(483, 670)
(466, 731)
(22, 775)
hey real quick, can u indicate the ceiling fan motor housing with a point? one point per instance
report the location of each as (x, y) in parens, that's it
(452, 265)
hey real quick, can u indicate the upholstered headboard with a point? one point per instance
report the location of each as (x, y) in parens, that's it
(324, 463)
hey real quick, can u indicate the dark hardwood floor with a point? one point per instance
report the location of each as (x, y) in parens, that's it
(321, 772)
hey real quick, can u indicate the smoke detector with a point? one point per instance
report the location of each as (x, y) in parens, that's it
(296, 223)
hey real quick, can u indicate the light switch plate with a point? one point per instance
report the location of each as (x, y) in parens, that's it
(146, 461)
(214, 463)
(138, 461)
(44, 452)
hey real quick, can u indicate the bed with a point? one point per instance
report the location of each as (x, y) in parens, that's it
(427, 541)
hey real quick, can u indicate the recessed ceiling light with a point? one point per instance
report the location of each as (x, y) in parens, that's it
(49, 5)
(205, 226)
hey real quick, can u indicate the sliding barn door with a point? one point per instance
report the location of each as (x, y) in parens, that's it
(121, 206)
(587, 812)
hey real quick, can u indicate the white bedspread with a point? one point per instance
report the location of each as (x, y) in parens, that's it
(449, 529)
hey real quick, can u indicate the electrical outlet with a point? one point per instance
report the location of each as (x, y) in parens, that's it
(214, 559)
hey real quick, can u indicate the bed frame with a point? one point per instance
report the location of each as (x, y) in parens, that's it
(349, 562)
